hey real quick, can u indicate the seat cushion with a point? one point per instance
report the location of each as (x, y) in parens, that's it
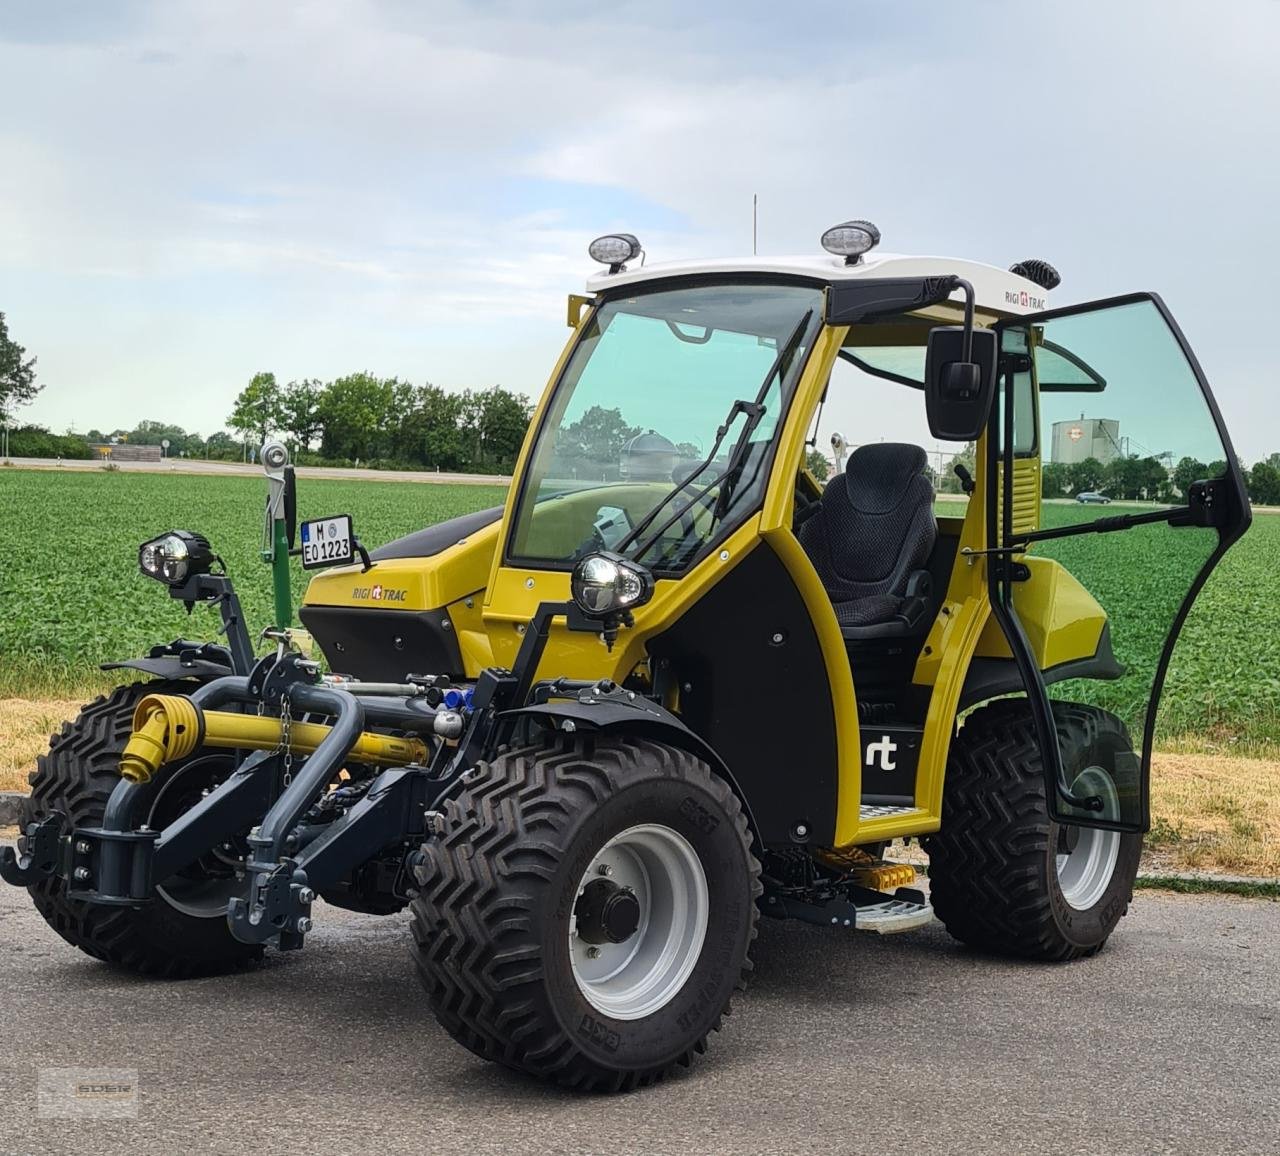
(867, 611)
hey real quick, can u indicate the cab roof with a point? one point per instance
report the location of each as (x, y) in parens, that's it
(996, 290)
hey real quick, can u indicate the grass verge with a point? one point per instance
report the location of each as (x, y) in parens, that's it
(1261, 889)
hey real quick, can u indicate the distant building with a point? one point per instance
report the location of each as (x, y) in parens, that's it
(1087, 437)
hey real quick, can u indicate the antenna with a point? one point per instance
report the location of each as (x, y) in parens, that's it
(755, 203)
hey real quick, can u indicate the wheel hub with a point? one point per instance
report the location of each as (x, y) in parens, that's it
(607, 913)
(639, 921)
(1085, 857)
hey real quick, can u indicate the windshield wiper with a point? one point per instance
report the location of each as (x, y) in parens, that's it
(754, 411)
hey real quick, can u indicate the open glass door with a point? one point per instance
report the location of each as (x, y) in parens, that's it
(1142, 495)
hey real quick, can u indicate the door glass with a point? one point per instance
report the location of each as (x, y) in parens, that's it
(1124, 428)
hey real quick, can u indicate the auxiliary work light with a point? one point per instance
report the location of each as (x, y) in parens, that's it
(614, 250)
(850, 240)
(604, 584)
(176, 556)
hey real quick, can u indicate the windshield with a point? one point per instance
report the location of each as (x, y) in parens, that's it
(653, 379)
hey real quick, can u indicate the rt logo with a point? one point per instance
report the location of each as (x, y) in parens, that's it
(882, 752)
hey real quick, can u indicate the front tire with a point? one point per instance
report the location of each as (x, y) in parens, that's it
(183, 931)
(587, 913)
(1003, 876)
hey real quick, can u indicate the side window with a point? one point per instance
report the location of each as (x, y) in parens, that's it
(864, 408)
(1121, 413)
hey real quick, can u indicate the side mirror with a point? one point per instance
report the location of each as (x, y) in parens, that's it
(958, 389)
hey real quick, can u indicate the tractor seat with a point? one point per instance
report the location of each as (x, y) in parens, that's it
(870, 538)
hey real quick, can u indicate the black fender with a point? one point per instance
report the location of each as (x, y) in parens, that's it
(619, 711)
(202, 661)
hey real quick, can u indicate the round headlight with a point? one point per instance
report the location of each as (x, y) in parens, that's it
(604, 584)
(614, 250)
(851, 239)
(176, 556)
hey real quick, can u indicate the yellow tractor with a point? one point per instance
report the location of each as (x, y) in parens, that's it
(677, 681)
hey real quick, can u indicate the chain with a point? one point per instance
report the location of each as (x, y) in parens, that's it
(286, 742)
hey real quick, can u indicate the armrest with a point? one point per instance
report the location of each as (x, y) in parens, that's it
(917, 598)
(919, 584)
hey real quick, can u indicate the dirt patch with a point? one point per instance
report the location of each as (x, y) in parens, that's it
(25, 727)
(1215, 813)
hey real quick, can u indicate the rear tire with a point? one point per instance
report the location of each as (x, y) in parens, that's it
(76, 778)
(499, 924)
(1000, 876)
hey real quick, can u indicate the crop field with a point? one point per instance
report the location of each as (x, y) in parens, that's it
(71, 595)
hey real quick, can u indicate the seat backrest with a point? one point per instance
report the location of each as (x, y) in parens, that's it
(875, 524)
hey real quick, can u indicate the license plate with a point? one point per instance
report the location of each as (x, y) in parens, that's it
(328, 542)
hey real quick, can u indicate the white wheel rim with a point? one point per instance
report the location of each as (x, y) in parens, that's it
(643, 973)
(1085, 872)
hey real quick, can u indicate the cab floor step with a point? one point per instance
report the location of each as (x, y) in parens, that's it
(893, 915)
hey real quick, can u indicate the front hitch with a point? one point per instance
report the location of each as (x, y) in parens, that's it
(40, 861)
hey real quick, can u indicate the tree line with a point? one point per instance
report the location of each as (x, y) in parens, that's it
(385, 422)
(1133, 477)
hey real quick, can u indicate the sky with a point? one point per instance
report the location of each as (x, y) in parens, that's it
(192, 191)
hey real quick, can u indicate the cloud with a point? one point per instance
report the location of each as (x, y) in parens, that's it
(194, 191)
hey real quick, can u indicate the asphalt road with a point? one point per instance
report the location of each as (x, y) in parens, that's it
(1169, 1041)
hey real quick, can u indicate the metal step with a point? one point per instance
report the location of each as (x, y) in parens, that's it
(872, 811)
(893, 915)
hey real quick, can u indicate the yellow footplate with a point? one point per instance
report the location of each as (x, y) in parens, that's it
(866, 871)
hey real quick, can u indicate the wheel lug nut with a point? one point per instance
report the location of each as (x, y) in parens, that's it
(604, 869)
(593, 953)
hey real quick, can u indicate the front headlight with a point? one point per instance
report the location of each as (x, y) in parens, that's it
(176, 556)
(603, 584)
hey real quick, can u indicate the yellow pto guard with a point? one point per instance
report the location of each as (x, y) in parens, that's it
(168, 727)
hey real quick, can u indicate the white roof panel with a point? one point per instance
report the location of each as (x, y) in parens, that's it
(996, 289)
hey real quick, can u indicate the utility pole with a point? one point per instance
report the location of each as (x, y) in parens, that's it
(755, 205)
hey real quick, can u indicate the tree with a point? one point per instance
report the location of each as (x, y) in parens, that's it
(504, 420)
(818, 465)
(434, 429)
(1089, 474)
(1188, 470)
(1055, 479)
(354, 412)
(948, 480)
(18, 384)
(599, 435)
(221, 446)
(300, 412)
(1264, 483)
(1135, 477)
(258, 409)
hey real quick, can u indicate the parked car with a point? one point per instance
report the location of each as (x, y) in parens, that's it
(1090, 497)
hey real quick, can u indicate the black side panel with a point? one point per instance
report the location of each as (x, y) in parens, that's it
(384, 645)
(434, 539)
(764, 706)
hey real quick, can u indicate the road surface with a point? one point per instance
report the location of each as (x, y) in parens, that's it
(1169, 1041)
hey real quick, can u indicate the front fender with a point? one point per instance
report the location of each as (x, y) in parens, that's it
(616, 712)
(202, 661)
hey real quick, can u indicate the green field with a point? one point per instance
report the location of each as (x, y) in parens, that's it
(71, 595)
